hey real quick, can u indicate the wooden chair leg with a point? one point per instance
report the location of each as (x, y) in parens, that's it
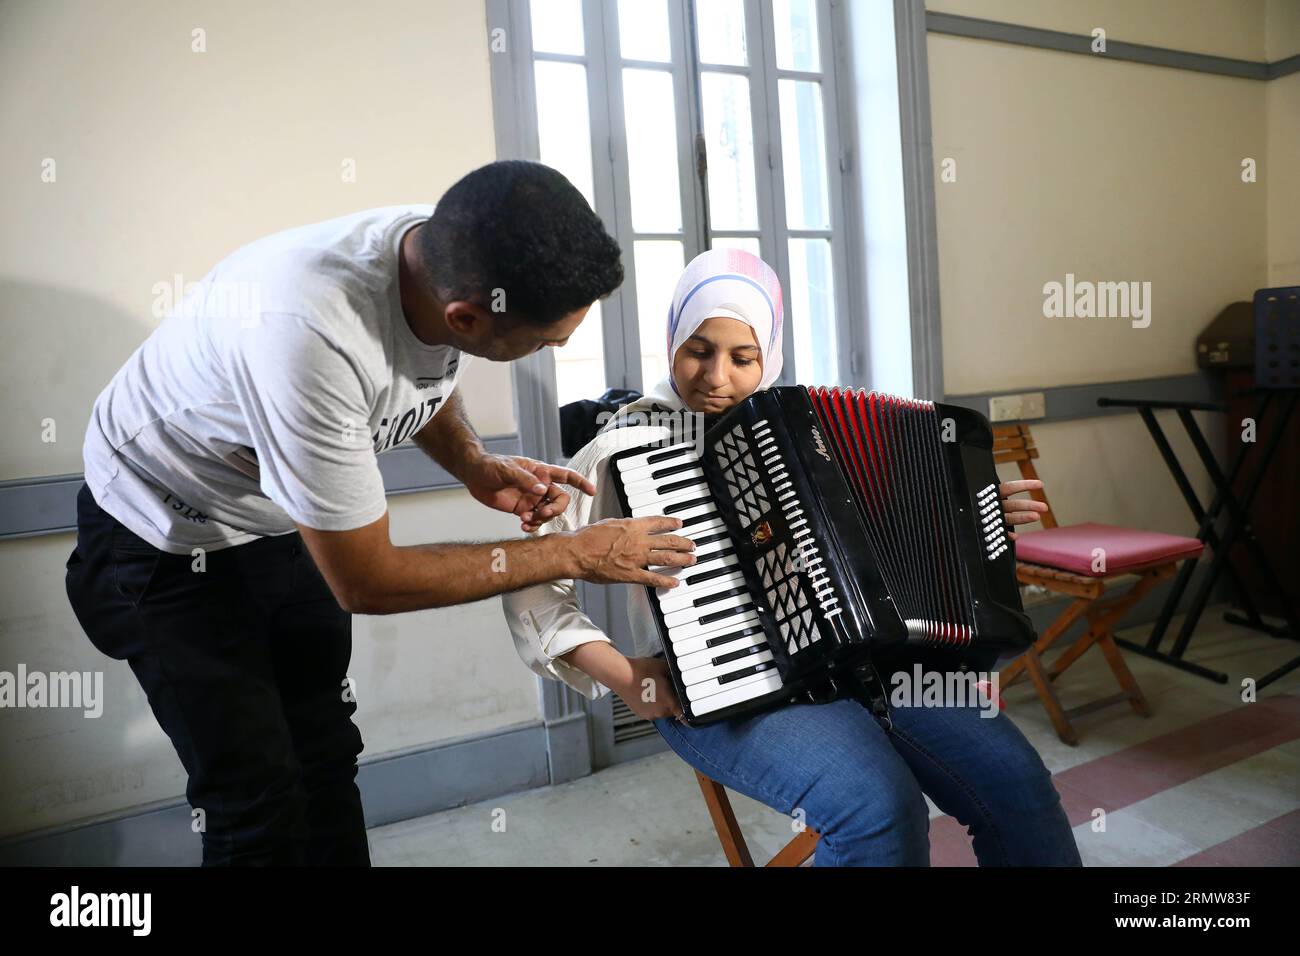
(1073, 652)
(724, 821)
(1017, 668)
(1136, 699)
(1047, 694)
(797, 850)
(1012, 672)
(1114, 657)
(1102, 615)
(794, 853)
(1101, 633)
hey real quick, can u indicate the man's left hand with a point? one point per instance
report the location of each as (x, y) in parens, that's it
(523, 487)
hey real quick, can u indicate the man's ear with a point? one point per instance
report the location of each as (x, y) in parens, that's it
(465, 319)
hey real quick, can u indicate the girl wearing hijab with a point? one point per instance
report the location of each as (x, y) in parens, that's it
(856, 781)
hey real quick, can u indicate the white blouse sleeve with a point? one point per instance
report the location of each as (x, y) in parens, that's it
(546, 620)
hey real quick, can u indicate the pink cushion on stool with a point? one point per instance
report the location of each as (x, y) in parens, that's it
(1070, 547)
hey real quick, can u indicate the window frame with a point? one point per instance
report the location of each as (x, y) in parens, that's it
(580, 734)
(517, 118)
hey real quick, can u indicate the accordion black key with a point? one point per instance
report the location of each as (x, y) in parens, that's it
(836, 531)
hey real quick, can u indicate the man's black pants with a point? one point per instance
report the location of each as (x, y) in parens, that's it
(245, 666)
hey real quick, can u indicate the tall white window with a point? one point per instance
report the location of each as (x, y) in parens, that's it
(690, 124)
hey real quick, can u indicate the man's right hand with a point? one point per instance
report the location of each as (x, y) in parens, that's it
(369, 575)
(619, 550)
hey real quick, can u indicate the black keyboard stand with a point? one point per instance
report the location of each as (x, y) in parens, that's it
(1236, 529)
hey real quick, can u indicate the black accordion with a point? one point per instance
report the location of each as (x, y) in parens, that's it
(837, 532)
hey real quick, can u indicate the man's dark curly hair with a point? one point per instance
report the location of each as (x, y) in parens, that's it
(523, 228)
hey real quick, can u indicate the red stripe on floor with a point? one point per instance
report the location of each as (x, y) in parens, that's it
(950, 843)
(1275, 843)
(1143, 770)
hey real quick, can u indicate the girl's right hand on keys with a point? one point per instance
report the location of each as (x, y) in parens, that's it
(650, 693)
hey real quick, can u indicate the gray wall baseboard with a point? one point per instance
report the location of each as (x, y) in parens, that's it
(418, 782)
(980, 29)
(37, 506)
(1065, 402)
(568, 746)
(34, 506)
(393, 787)
(1285, 67)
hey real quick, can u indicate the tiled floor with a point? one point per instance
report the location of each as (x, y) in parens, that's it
(1207, 780)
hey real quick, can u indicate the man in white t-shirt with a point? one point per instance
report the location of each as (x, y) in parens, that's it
(234, 514)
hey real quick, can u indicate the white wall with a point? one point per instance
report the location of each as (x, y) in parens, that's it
(420, 679)
(167, 160)
(1112, 171)
(1282, 108)
(1282, 113)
